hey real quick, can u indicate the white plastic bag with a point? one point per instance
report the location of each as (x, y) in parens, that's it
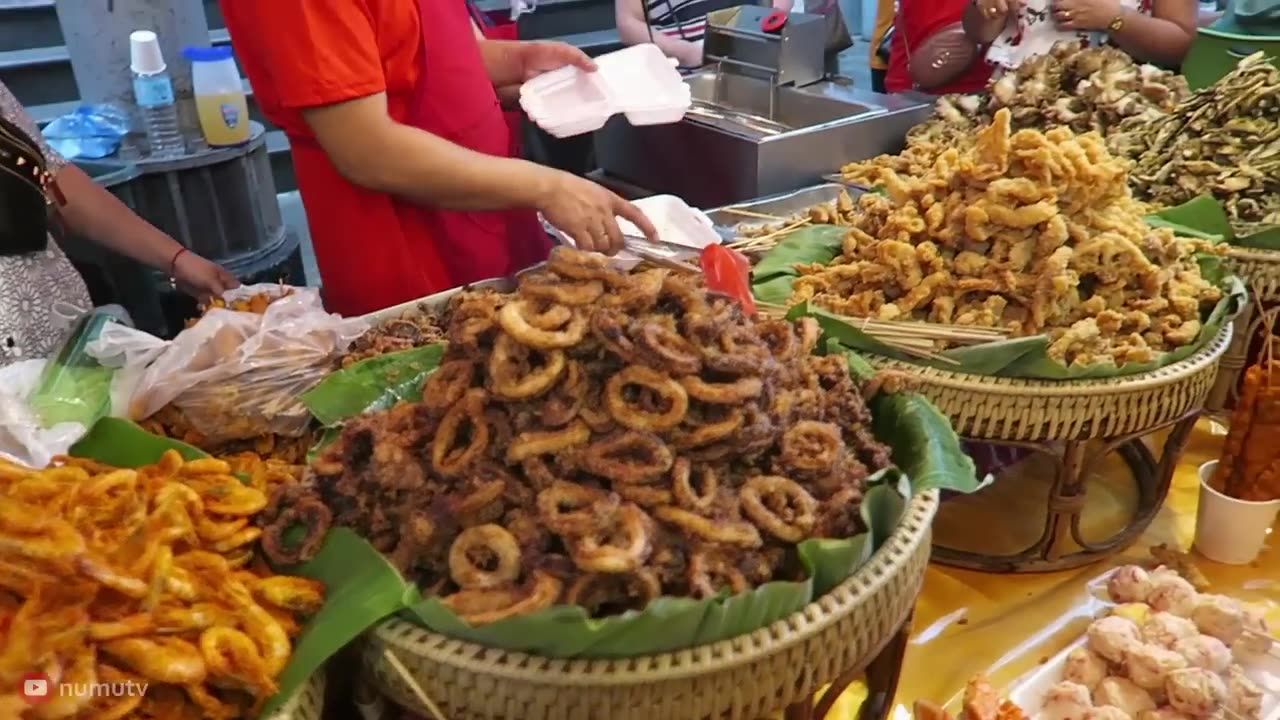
(22, 440)
(238, 375)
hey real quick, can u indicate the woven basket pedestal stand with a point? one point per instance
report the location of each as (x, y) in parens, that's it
(1259, 269)
(861, 625)
(307, 703)
(1076, 423)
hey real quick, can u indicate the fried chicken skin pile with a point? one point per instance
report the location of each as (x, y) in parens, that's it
(1033, 232)
(600, 439)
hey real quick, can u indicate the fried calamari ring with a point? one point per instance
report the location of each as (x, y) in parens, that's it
(781, 338)
(545, 442)
(573, 510)
(481, 607)
(711, 571)
(464, 423)
(630, 414)
(621, 546)
(610, 328)
(484, 556)
(698, 499)
(638, 292)
(475, 495)
(564, 402)
(578, 265)
(611, 593)
(314, 516)
(448, 384)
(724, 532)
(513, 374)
(521, 320)
(711, 431)
(545, 286)
(667, 348)
(646, 496)
(780, 506)
(810, 446)
(628, 457)
(729, 393)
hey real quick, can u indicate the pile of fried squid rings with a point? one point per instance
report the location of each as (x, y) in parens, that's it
(599, 439)
(136, 593)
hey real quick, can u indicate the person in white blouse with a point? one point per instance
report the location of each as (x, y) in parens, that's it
(676, 26)
(33, 284)
(1152, 31)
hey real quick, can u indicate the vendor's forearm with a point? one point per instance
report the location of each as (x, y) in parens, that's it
(1153, 40)
(502, 63)
(376, 153)
(981, 29)
(94, 213)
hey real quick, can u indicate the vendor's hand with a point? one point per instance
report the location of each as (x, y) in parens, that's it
(536, 58)
(993, 10)
(1085, 15)
(200, 278)
(588, 213)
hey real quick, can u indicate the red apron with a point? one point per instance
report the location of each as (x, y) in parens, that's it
(455, 100)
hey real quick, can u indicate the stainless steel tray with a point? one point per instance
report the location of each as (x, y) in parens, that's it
(786, 205)
(438, 301)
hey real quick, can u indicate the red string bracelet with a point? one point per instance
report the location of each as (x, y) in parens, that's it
(173, 264)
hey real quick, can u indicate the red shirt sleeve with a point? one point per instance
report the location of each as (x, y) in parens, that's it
(317, 52)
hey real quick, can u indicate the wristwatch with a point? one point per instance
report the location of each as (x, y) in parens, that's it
(1118, 24)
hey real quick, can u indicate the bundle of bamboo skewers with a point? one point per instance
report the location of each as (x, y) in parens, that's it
(919, 339)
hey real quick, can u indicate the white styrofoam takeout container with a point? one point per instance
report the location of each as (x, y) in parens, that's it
(639, 82)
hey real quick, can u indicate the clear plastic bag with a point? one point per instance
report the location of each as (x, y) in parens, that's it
(237, 375)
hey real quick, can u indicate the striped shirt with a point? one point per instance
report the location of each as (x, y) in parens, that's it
(684, 19)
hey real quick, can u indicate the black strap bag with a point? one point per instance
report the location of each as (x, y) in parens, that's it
(27, 193)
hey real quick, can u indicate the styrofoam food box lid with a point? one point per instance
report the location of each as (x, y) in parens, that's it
(638, 79)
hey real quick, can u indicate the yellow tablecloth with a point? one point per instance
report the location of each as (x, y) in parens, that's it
(1004, 625)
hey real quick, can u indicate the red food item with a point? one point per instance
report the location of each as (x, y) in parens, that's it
(728, 272)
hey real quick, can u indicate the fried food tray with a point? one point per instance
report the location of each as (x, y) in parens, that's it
(784, 207)
(438, 301)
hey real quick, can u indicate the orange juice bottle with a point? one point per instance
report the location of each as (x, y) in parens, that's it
(220, 100)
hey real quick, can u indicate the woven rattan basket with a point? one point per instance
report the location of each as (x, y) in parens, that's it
(306, 704)
(1259, 269)
(748, 676)
(994, 408)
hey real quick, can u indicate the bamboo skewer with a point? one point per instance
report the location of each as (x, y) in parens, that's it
(753, 214)
(769, 240)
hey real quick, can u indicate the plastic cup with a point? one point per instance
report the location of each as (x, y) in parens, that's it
(145, 57)
(1228, 530)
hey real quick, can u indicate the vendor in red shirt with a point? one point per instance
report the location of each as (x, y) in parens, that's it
(401, 150)
(930, 52)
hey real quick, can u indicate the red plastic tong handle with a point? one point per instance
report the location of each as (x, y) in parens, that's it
(729, 272)
(774, 21)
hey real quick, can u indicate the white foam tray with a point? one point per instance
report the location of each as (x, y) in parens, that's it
(639, 82)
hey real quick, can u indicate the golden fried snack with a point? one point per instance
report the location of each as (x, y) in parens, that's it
(1033, 233)
(137, 576)
(600, 439)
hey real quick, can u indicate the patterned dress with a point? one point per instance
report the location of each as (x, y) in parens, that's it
(34, 284)
(1033, 32)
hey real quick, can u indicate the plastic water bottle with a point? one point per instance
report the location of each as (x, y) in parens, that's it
(154, 93)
